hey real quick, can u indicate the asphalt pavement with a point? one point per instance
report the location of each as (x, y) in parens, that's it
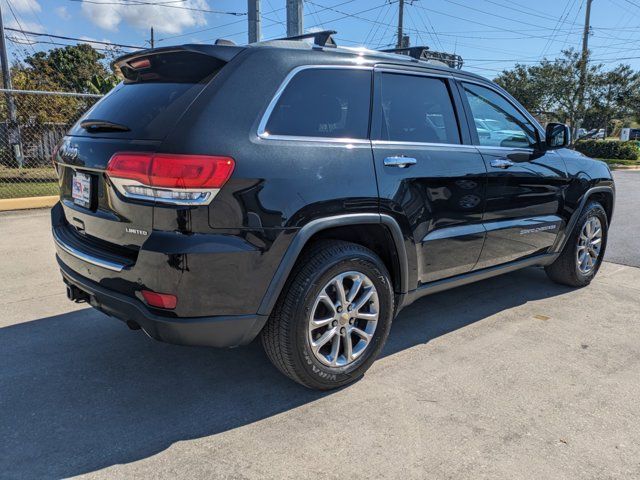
(514, 377)
(624, 237)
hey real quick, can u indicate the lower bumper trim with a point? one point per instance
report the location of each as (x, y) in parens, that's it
(215, 331)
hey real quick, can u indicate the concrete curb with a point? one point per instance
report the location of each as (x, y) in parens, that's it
(624, 167)
(25, 203)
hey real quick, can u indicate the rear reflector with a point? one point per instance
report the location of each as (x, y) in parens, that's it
(182, 179)
(160, 300)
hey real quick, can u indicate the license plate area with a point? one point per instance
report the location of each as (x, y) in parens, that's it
(81, 189)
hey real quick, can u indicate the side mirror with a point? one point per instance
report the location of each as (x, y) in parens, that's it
(558, 135)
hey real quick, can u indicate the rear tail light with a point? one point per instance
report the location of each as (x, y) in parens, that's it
(160, 300)
(167, 178)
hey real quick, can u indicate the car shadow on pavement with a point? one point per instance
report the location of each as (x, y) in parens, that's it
(79, 392)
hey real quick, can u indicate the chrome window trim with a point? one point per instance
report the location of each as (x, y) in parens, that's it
(391, 143)
(511, 149)
(296, 138)
(74, 252)
(441, 76)
(263, 134)
(528, 150)
(389, 69)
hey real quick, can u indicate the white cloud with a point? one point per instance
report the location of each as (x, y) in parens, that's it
(163, 19)
(63, 13)
(27, 26)
(23, 6)
(92, 41)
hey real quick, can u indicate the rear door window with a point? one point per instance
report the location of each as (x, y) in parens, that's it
(325, 103)
(416, 108)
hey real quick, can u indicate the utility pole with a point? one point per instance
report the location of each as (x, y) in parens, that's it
(253, 15)
(152, 40)
(400, 42)
(403, 40)
(13, 130)
(584, 60)
(294, 18)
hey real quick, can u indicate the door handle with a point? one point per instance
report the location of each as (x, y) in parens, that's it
(501, 163)
(399, 161)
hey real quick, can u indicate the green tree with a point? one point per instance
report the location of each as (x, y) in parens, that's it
(75, 68)
(552, 87)
(522, 83)
(102, 84)
(71, 68)
(615, 100)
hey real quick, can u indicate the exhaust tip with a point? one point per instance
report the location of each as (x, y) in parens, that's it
(76, 295)
(133, 325)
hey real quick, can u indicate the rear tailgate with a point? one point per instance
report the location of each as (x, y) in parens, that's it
(158, 88)
(100, 214)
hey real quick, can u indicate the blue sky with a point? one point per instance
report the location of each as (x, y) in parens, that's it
(491, 35)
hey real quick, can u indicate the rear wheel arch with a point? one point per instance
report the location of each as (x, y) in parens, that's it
(379, 233)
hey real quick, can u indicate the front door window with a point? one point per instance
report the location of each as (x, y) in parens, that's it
(497, 122)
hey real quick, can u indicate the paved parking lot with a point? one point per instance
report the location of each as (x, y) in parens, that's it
(514, 377)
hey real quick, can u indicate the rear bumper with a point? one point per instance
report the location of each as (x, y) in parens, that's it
(216, 331)
(223, 273)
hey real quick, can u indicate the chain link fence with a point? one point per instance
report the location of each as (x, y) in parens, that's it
(31, 125)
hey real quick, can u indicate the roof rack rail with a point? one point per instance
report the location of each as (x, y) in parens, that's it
(425, 54)
(323, 38)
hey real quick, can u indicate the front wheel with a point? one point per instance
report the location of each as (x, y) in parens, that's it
(582, 255)
(333, 317)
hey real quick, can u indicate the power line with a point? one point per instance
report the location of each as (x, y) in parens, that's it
(559, 24)
(632, 3)
(15, 17)
(84, 40)
(208, 29)
(422, 16)
(529, 11)
(497, 16)
(378, 25)
(20, 41)
(480, 23)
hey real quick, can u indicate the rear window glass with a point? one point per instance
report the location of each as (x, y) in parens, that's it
(148, 110)
(150, 102)
(329, 103)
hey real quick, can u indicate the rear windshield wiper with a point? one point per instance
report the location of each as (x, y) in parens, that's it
(103, 126)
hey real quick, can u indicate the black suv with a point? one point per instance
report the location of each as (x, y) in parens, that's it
(306, 193)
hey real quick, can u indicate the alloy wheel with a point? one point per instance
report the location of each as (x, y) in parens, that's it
(589, 245)
(343, 319)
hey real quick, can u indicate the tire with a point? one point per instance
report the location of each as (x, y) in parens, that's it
(288, 335)
(566, 268)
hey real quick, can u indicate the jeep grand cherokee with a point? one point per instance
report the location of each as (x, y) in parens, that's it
(305, 194)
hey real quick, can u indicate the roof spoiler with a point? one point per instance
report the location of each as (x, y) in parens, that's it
(222, 51)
